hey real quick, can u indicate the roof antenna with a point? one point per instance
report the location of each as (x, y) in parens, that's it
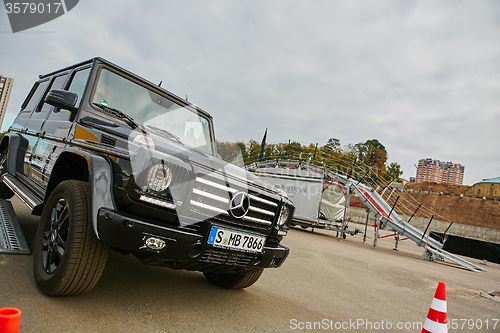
(159, 84)
(186, 98)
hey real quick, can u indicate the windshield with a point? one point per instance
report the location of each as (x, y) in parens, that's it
(157, 113)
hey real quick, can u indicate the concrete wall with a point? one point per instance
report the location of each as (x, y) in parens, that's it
(358, 215)
(485, 190)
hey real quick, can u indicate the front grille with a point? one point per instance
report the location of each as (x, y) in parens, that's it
(211, 197)
(214, 256)
(180, 180)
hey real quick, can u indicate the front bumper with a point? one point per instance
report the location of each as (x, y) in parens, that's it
(184, 248)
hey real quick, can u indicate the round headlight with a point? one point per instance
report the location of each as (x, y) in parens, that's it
(159, 177)
(283, 215)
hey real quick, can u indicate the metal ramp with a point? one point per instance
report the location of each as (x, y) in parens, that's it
(386, 215)
(381, 210)
(12, 239)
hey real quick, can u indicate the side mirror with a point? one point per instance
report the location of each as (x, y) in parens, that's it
(63, 99)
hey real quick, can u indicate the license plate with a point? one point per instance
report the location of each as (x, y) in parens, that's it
(235, 240)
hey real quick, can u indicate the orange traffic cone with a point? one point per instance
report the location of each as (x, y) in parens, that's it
(436, 318)
(10, 320)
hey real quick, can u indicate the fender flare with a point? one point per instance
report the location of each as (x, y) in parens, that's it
(100, 178)
(16, 143)
(101, 187)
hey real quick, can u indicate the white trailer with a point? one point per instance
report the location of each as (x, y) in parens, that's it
(320, 202)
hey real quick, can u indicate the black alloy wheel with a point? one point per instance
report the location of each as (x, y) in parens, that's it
(55, 237)
(68, 258)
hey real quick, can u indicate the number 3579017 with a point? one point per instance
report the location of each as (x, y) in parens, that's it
(32, 7)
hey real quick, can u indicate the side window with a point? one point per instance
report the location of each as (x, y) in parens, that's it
(35, 98)
(59, 121)
(79, 82)
(57, 84)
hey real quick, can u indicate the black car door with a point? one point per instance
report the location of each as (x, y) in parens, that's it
(56, 128)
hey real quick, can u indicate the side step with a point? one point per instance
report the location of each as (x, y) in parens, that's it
(12, 239)
(26, 195)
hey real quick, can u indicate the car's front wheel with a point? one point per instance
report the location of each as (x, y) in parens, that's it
(234, 281)
(68, 257)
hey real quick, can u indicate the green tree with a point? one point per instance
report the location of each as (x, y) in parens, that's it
(394, 170)
(311, 154)
(331, 153)
(294, 151)
(333, 144)
(243, 150)
(253, 151)
(371, 153)
(230, 152)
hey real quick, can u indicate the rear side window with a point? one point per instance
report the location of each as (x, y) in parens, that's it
(35, 98)
(57, 84)
(78, 83)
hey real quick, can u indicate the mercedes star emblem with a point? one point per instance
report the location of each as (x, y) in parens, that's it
(240, 204)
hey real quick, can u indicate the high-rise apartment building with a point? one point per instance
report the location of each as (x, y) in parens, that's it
(5, 89)
(435, 171)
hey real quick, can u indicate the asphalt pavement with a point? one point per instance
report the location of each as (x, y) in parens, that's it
(326, 284)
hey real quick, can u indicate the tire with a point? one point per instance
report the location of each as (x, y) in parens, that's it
(234, 281)
(5, 192)
(68, 257)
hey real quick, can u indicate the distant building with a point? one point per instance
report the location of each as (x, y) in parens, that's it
(412, 179)
(5, 89)
(435, 171)
(489, 188)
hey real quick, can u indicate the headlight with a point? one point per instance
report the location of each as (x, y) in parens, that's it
(283, 215)
(159, 177)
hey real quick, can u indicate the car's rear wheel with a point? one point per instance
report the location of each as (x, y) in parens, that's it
(5, 192)
(233, 281)
(68, 257)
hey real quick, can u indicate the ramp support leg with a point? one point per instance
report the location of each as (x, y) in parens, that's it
(366, 224)
(397, 241)
(346, 204)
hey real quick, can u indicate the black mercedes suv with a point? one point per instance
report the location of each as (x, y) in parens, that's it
(109, 160)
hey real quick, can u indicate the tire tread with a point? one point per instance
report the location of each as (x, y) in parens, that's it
(234, 281)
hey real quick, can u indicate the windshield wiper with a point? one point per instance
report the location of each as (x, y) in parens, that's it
(117, 113)
(165, 133)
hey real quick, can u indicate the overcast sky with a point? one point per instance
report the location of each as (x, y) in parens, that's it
(422, 77)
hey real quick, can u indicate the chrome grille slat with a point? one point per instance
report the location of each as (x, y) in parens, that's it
(256, 220)
(262, 211)
(263, 200)
(212, 194)
(219, 186)
(205, 206)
